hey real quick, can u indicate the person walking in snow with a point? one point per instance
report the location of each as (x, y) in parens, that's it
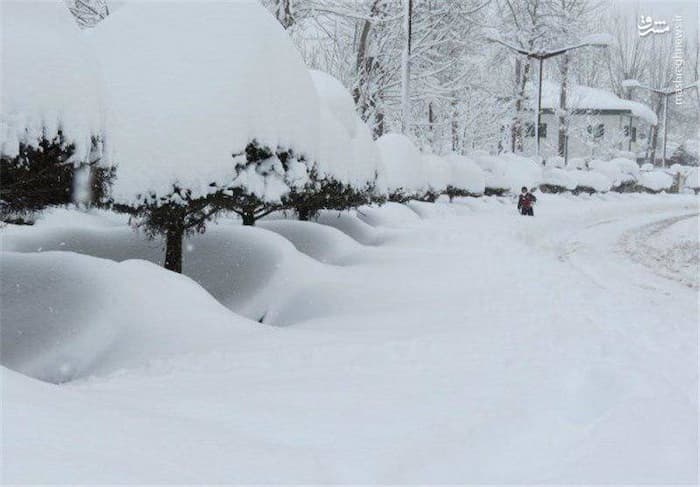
(525, 202)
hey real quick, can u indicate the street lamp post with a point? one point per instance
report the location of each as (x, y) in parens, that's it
(666, 93)
(596, 40)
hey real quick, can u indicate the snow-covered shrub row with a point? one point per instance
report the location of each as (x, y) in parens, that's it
(51, 117)
(507, 173)
(205, 125)
(345, 171)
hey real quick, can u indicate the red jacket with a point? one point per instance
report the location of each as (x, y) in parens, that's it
(526, 200)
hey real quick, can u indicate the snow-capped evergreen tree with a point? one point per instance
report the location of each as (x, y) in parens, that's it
(50, 110)
(201, 118)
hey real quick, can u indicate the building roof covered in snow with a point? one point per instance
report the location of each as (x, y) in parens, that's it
(584, 99)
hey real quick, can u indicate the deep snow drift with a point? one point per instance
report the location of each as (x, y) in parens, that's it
(470, 345)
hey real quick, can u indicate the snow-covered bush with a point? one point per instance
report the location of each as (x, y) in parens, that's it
(439, 175)
(403, 174)
(466, 177)
(576, 163)
(692, 180)
(556, 180)
(522, 171)
(687, 153)
(590, 182)
(627, 167)
(622, 172)
(344, 174)
(555, 161)
(496, 181)
(655, 181)
(50, 108)
(200, 117)
(647, 166)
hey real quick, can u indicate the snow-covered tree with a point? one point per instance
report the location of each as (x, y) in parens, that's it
(50, 108)
(201, 120)
(403, 177)
(345, 172)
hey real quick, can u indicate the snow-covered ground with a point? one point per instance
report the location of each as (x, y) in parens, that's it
(440, 344)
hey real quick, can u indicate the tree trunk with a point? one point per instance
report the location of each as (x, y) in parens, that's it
(249, 218)
(454, 125)
(561, 143)
(654, 142)
(518, 128)
(173, 249)
(303, 214)
(431, 121)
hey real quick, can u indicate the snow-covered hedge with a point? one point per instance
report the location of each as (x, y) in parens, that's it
(51, 117)
(655, 181)
(345, 171)
(209, 109)
(692, 180)
(439, 174)
(50, 79)
(590, 181)
(188, 88)
(466, 177)
(556, 180)
(403, 176)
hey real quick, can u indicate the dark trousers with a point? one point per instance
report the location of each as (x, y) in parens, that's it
(527, 211)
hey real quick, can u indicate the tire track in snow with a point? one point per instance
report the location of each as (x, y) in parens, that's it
(664, 262)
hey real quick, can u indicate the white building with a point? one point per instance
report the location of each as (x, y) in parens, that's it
(599, 123)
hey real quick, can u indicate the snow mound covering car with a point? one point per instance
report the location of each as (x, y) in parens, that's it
(465, 174)
(111, 316)
(188, 87)
(347, 151)
(50, 79)
(591, 180)
(403, 168)
(655, 181)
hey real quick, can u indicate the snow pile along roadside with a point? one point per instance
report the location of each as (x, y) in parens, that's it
(111, 316)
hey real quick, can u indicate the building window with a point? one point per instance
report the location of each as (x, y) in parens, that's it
(634, 132)
(530, 130)
(597, 132)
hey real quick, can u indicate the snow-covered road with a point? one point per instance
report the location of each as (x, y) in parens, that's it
(472, 346)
